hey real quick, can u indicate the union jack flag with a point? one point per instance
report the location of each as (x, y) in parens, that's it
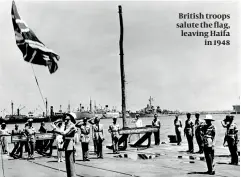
(33, 50)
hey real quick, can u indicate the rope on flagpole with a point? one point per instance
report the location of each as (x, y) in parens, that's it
(38, 85)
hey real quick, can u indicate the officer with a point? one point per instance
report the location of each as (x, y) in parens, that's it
(99, 137)
(30, 132)
(114, 130)
(188, 131)
(209, 142)
(178, 126)
(85, 139)
(69, 144)
(232, 139)
(156, 122)
(199, 133)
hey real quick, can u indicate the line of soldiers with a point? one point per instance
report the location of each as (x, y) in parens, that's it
(205, 135)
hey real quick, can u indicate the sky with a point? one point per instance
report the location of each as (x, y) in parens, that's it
(180, 73)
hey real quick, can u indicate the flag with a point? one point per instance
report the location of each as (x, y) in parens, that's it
(33, 50)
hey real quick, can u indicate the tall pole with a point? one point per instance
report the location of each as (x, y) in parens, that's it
(46, 104)
(122, 69)
(12, 107)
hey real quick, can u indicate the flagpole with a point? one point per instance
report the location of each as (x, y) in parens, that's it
(38, 87)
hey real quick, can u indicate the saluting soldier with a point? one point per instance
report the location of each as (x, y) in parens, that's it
(30, 132)
(99, 137)
(209, 142)
(69, 144)
(198, 132)
(178, 126)
(114, 130)
(156, 122)
(232, 139)
(188, 131)
(85, 139)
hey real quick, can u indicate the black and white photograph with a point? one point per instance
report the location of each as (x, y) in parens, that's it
(119, 88)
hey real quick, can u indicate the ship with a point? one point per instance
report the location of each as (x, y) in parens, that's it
(148, 111)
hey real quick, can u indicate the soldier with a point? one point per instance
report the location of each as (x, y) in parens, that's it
(41, 144)
(69, 144)
(209, 142)
(16, 131)
(99, 137)
(114, 130)
(85, 139)
(178, 126)
(188, 131)
(156, 122)
(224, 124)
(92, 121)
(23, 143)
(199, 133)
(3, 139)
(232, 139)
(30, 132)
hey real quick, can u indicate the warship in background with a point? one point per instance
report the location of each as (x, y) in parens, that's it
(148, 111)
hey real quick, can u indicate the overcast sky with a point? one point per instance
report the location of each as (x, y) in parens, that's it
(179, 72)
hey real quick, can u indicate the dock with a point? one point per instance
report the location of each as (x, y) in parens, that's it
(167, 159)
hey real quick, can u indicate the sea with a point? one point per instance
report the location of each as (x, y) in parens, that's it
(167, 127)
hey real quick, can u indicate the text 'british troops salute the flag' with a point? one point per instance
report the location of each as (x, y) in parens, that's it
(33, 50)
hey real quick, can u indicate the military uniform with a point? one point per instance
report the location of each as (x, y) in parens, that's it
(30, 132)
(188, 130)
(114, 130)
(85, 139)
(69, 147)
(16, 145)
(209, 141)
(4, 131)
(178, 126)
(157, 123)
(232, 139)
(99, 138)
(199, 134)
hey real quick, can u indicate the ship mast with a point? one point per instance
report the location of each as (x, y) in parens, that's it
(122, 69)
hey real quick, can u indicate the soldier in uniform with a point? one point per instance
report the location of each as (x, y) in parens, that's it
(16, 131)
(156, 122)
(23, 143)
(199, 133)
(92, 121)
(178, 126)
(232, 139)
(209, 142)
(30, 132)
(114, 130)
(3, 139)
(85, 139)
(188, 131)
(99, 137)
(69, 144)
